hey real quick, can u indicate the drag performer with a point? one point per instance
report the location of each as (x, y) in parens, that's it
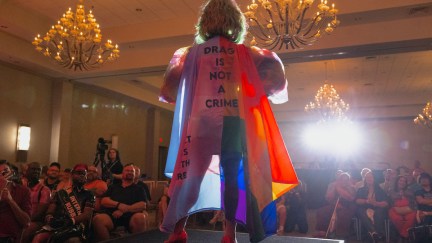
(226, 151)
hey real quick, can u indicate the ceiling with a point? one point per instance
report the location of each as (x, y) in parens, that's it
(379, 58)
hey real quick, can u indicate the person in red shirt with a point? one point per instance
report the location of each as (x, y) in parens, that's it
(15, 205)
(40, 196)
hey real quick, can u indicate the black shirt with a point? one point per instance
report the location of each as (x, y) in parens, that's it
(145, 188)
(126, 195)
(53, 186)
(112, 167)
(84, 197)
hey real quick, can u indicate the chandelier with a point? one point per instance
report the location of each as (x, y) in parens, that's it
(328, 104)
(75, 41)
(274, 23)
(426, 117)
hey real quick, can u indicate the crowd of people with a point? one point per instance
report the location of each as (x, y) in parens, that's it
(52, 204)
(77, 204)
(401, 198)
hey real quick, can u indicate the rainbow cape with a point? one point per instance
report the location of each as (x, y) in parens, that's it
(223, 122)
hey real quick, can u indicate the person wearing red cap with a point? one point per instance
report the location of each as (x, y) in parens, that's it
(70, 208)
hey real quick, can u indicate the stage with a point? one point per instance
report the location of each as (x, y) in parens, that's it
(210, 236)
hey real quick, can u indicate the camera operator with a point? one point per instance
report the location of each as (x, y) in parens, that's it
(113, 168)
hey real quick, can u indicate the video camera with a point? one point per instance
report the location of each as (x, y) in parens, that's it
(101, 147)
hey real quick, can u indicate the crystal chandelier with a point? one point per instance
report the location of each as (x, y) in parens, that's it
(75, 42)
(426, 117)
(328, 104)
(274, 23)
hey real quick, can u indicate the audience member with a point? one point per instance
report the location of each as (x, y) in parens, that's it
(44, 173)
(415, 185)
(403, 171)
(296, 210)
(23, 169)
(69, 212)
(372, 205)
(52, 177)
(39, 193)
(218, 216)
(360, 183)
(15, 205)
(65, 179)
(337, 174)
(16, 175)
(142, 184)
(40, 196)
(389, 177)
(424, 199)
(163, 205)
(125, 204)
(96, 185)
(340, 196)
(402, 211)
(112, 168)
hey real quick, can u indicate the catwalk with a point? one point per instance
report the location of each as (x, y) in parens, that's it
(208, 236)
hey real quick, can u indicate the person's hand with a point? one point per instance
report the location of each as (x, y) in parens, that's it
(372, 201)
(123, 207)
(5, 195)
(3, 182)
(48, 218)
(117, 214)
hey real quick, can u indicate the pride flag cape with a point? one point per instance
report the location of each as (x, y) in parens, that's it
(219, 82)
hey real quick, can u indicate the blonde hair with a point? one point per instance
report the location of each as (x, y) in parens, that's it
(221, 18)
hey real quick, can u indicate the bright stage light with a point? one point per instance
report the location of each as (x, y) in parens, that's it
(337, 138)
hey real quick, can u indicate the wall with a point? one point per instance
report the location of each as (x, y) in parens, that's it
(25, 98)
(166, 118)
(98, 114)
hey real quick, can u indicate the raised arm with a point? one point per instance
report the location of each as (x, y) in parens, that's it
(272, 74)
(172, 76)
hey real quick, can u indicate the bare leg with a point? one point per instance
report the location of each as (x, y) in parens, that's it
(102, 225)
(138, 223)
(31, 230)
(281, 212)
(162, 208)
(41, 237)
(230, 232)
(179, 234)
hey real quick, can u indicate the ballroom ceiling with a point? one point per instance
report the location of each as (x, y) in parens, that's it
(379, 57)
